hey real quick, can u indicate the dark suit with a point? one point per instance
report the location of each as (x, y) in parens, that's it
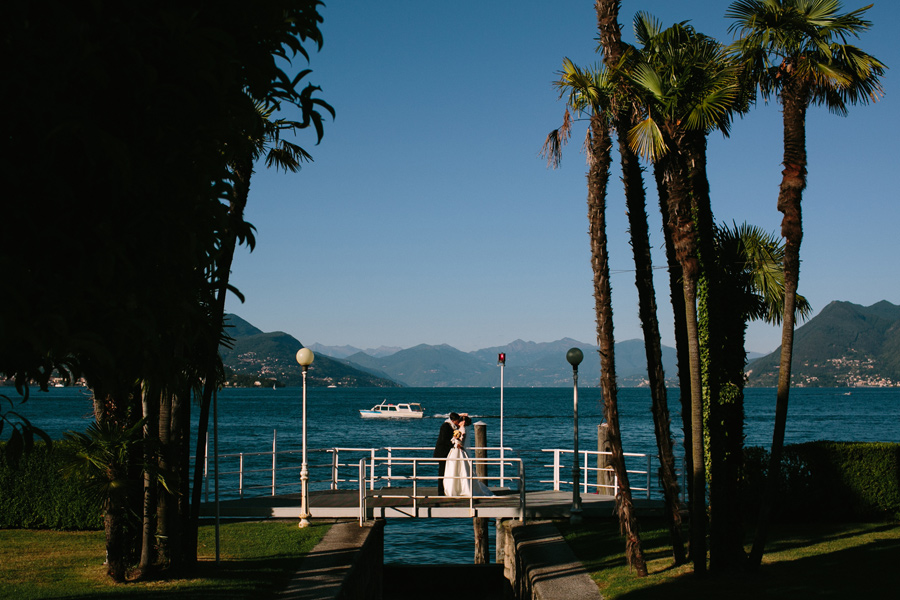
(441, 450)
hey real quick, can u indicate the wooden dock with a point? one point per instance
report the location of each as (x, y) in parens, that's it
(400, 503)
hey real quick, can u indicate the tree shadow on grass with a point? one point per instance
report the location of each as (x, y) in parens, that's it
(864, 571)
(234, 579)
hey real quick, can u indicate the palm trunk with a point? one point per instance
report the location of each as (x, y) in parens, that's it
(150, 401)
(598, 176)
(684, 237)
(793, 182)
(241, 192)
(180, 455)
(725, 549)
(676, 297)
(112, 406)
(165, 501)
(635, 198)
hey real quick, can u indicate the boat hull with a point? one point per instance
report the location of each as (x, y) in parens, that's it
(374, 414)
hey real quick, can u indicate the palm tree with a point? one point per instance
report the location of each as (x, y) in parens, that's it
(103, 460)
(614, 51)
(590, 93)
(688, 88)
(282, 154)
(750, 269)
(797, 51)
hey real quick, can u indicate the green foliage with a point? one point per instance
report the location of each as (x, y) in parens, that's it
(829, 481)
(22, 432)
(101, 457)
(34, 494)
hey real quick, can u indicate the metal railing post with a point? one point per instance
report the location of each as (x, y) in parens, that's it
(648, 477)
(415, 480)
(372, 481)
(556, 466)
(206, 468)
(362, 492)
(241, 475)
(274, 446)
(334, 468)
(390, 471)
(521, 491)
(585, 468)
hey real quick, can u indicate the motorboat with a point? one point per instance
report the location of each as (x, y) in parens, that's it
(411, 410)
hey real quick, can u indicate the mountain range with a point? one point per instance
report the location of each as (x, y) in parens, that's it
(844, 345)
(528, 364)
(255, 358)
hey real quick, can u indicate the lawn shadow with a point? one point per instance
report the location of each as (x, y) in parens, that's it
(864, 571)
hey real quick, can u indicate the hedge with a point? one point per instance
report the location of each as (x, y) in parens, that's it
(837, 481)
(35, 495)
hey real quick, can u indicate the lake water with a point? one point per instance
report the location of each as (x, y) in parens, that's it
(534, 419)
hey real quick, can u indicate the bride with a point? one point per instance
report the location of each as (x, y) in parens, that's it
(458, 480)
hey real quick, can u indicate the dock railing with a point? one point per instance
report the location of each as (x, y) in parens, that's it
(589, 480)
(278, 471)
(411, 479)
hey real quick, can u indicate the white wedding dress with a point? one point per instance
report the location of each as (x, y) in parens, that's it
(458, 479)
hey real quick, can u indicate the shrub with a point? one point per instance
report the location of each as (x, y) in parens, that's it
(35, 495)
(844, 481)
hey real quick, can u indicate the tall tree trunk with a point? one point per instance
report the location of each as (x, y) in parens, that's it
(676, 297)
(113, 407)
(240, 194)
(180, 455)
(731, 515)
(790, 195)
(635, 198)
(165, 501)
(598, 176)
(684, 237)
(725, 549)
(150, 401)
(610, 36)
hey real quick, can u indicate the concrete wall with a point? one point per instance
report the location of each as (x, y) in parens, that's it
(540, 565)
(537, 564)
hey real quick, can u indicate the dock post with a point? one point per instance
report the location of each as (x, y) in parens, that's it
(480, 524)
(499, 541)
(604, 461)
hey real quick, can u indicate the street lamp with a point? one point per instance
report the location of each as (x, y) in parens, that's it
(501, 360)
(305, 357)
(575, 356)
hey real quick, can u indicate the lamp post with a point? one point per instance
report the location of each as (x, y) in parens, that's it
(305, 357)
(575, 356)
(501, 360)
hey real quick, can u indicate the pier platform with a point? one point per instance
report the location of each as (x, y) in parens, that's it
(400, 503)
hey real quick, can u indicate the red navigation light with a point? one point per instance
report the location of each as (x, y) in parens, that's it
(501, 358)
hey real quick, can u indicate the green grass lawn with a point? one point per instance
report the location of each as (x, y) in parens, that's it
(831, 560)
(256, 558)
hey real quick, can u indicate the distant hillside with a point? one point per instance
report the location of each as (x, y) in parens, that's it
(844, 345)
(345, 351)
(528, 364)
(270, 359)
(427, 366)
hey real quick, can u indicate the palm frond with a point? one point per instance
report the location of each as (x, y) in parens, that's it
(646, 139)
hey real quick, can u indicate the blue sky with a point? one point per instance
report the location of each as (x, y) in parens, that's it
(429, 217)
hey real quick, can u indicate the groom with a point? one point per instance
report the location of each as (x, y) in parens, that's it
(443, 446)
